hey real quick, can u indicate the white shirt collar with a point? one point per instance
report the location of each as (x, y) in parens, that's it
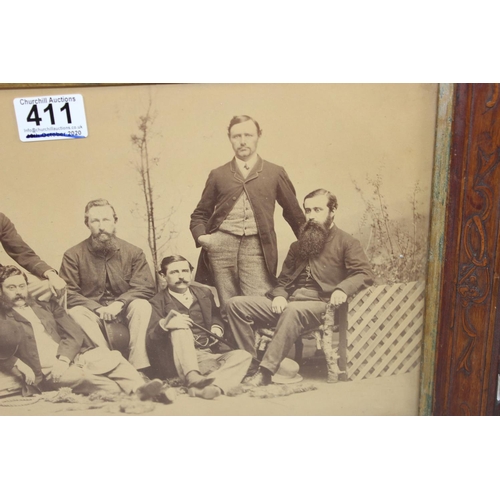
(250, 162)
(19, 309)
(187, 296)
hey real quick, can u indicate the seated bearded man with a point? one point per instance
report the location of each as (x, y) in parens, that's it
(41, 344)
(109, 280)
(325, 265)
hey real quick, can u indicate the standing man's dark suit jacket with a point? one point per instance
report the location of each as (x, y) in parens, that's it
(158, 345)
(19, 250)
(265, 185)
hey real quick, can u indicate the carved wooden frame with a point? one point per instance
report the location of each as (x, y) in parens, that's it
(461, 346)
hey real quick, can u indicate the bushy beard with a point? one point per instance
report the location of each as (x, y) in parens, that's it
(7, 304)
(312, 238)
(104, 245)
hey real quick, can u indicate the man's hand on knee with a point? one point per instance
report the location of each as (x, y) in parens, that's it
(279, 305)
(109, 313)
(338, 297)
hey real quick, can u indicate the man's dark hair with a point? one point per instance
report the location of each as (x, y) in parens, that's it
(240, 119)
(100, 202)
(8, 271)
(173, 258)
(332, 199)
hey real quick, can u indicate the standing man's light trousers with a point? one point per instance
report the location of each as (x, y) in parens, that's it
(238, 266)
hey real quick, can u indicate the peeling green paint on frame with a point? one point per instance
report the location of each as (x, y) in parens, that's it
(440, 187)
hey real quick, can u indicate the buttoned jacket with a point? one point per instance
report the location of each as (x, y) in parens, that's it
(342, 265)
(265, 185)
(162, 303)
(84, 270)
(158, 344)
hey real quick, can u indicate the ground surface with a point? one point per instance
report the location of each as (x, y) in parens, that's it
(395, 395)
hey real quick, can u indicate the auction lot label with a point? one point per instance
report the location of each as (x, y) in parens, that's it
(51, 117)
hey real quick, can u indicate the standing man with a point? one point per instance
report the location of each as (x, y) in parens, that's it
(109, 280)
(325, 265)
(175, 339)
(22, 253)
(234, 220)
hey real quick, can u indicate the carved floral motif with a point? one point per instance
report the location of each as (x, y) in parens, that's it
(476, 273)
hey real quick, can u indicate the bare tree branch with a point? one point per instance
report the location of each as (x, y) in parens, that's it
(144, 165)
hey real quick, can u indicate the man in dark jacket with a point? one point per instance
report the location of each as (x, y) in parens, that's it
(325, 265)
(22, 253)
(109, 280)
(49, 350)
(234, 220)
(175, 340)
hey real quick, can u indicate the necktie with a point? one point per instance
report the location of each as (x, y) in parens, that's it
(246, 167)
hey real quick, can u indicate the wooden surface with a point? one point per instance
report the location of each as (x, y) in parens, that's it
(442, 149)
(466, 356)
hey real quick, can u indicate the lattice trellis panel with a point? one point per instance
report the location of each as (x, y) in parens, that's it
(385, 326)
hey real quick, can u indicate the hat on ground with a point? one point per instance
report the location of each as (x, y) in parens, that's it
(288, 372)
(100, 360)
(10, 337)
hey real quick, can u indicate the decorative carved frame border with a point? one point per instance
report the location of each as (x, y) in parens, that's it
(467, 341)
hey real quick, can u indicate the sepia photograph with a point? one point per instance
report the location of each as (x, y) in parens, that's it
(214, 249)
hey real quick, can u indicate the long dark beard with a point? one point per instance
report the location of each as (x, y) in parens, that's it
(312, 238)
(104, 247)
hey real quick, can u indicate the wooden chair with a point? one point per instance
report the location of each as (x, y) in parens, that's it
(331, 339)
(378, 333)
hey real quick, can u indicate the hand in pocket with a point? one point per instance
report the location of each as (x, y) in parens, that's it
(204, 241)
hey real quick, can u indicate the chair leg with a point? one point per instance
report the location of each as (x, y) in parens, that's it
(341, 313)
(332, 352)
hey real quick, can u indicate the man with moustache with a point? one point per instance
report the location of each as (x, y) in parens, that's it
(325, 265)
(176, 340)
(108, 280)
(234, 220)
(17, 249)
(48, 350)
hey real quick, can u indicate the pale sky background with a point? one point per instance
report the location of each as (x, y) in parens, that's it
(324, 135)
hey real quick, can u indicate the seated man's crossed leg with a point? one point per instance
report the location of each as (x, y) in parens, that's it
(299, 316)
(226, 371)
